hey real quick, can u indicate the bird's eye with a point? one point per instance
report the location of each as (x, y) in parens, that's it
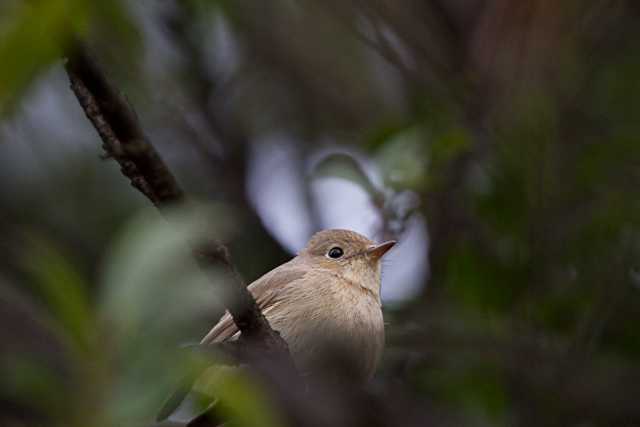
(335, 252)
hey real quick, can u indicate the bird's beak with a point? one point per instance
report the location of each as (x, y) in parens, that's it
(376, 251)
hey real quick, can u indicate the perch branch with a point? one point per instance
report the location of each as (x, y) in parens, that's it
(124, 140)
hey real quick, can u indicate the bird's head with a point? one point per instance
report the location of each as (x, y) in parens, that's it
(348, 254)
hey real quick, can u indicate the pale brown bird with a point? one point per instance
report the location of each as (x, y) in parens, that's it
(326, 297)
(325, 302)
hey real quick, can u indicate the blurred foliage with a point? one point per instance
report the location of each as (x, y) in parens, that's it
(514, 124)
(34, 35)
(122, 344)
(64, 291)
(238, 396)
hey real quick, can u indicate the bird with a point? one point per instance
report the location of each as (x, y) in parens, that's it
(324, 302)
(327, 297)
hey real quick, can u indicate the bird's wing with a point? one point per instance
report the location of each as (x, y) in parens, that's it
(265, 290)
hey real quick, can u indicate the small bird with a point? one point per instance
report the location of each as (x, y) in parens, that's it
(327, 297)
(325, 303)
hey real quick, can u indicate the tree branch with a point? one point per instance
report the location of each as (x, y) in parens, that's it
(122, 137)
(124, 140)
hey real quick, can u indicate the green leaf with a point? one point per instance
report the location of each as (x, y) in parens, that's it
(34, 35)
(34, 38)
(64, 291)
(239, 397)
(152, 284)
(155, 298)
(32, 384)
(340, 165)
(403, 160)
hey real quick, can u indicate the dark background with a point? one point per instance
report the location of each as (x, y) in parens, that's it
(497, 140)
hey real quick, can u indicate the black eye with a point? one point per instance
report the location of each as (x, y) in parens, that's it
(335, 252)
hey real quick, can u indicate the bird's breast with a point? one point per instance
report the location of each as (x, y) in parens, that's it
(329, 317)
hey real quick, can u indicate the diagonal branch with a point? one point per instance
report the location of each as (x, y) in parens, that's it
(122, 137)
(123, 140)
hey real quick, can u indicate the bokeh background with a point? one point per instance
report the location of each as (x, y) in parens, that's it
(497, 140)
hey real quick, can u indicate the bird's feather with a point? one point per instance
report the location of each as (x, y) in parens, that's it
(265, 290)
